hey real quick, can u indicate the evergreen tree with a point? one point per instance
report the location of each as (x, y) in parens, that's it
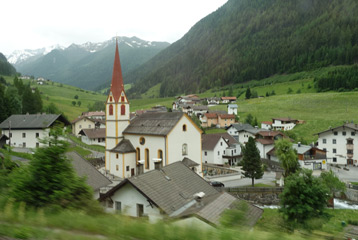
(248, 93)
(249, 119)
(28, 101)
(251, 162)
(37, 101)
(49, 179)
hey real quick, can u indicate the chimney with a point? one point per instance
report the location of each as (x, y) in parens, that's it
(198, 197)
(299, 144)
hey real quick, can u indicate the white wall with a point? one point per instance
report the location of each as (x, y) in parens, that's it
(264, 149)
(118, 166)
(244, 137)
(30, 139)
(340, 145)
(277, 124)
(216, 155)
(314, 164)
(129, 197)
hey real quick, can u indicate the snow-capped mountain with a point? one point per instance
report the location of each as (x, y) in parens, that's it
(19, 56)
(88, 65)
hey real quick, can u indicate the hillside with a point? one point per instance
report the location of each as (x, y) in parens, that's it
(89, 65)
(245, 40)
(5, 67)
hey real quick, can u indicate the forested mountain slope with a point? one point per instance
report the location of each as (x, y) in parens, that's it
(5, 67)
(254, 39)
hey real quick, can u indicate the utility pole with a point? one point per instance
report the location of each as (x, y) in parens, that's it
(9, 135)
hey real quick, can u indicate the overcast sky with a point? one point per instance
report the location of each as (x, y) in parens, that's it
(32, 24)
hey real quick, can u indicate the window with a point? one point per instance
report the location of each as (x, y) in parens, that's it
(122, 99)
(110, 99)
(224, 152)
(140, 210)
(334, 150)
(160, 154)
(334, 141)
(127, 168)
(349, 141)
(146, 158)
(80, 126)
(141, 140)
(344, 133)
(218, 153)
(123, 109)
(138, 154)
(324, 149)
(24, 144)
(23, 135)
(335, 133)
(349, 151)
(110, 109)
(184, 128)
(334, 159)
(89, 125)
(206, 153)
(353, 133)
(221, 143)
(118, 206)
(37, 144)
(185, 149)
(324, 141)
(117, 155)
(37, 135)
(117, 168)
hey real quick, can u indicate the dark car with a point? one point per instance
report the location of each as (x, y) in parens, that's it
(217, 184)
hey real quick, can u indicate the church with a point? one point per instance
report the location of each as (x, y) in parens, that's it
(149, 141)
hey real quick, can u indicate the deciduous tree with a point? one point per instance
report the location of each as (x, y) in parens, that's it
(287, 156)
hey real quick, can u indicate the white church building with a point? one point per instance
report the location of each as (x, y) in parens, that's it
(149, 141)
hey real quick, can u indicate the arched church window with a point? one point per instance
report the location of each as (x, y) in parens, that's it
(184, 128)
(146, 158)
(110, 109)
(185, 149)
(138, 154)
(123, 109)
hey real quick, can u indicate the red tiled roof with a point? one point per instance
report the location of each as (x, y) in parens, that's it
(267, 122)
(269, 133)
(227, 116)
(285, 119)
(228, 98)
(211, 115)
(117, 86)
(265, 141)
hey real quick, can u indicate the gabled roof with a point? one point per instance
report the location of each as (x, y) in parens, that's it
(94, 133)
(170, 188)
(285, 119)
(124, 146)
(154, 123)
(269, 133)
(227, 116)
(265, 141)
(3, 137)
(241, 126)
(32, 121)
(267, 122)
(84, 117)
(96, 113)
(210, 115)
(117, 86)
(83, 168)
(209, 141)
(352, 126)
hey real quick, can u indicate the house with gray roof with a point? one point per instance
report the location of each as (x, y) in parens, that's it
(94, 136)
(220, 148)
(27, 129)
(242, 131)
(174, 192)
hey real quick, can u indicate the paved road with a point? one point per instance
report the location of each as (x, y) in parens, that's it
(346, 176)
(237, 181)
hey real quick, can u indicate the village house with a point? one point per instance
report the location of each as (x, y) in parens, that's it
(93, 136)
(218, 120)
(284, 124)
(220, 148)
(175, 192)
(228, 99)
(200, 110)
(232, 109)
(100, 115)
(309, 157)
(213, 101)
(242, 131)
(151, 140)
(339, 144)
(266, 125)
(265, 141)
(26, 130)
(84, 122)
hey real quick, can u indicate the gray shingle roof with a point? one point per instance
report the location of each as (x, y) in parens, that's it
(241, 126)
(32, 121)
(94, 133)
(94, 178)
(124, 146)
(154, 123)
(169, 188)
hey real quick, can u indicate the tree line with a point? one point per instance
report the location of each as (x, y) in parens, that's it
(342, 79)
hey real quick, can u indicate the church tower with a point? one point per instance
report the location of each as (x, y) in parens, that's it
(117, 109)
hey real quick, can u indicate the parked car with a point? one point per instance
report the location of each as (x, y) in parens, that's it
(217, 184)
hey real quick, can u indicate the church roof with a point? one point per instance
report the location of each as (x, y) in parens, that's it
(154, 123)
(117, 86)
(124, 146)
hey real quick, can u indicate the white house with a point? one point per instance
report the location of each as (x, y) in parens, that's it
(220, 148)
(232, 109)
(266, 125)
(96, 136)
(339, 144)
(149, 141)
(265, 141)
(27, 130)
(284, 124)
(85, 122)
(213, 101)
(174, 192)
(95, 115)
(228, 99)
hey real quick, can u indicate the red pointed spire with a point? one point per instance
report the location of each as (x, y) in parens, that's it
(117, 79)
